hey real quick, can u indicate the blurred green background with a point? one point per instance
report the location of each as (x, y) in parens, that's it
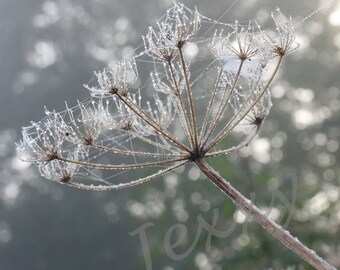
(48, 49)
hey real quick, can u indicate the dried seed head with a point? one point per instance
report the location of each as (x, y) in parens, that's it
(168, 128)
(41, 143)
(178, 27)
(59, 171)
(257, 114)
(283, 42)
(118, 78)
(240, 48)
(85, 127)
(241, 43)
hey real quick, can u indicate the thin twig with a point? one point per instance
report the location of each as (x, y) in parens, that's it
(115, 150)
(191, 102)
(222, 106)
(146, 118)
(236, 147)
(157, 144)
(232, 124)
(121, 166)
(211, 102)
(183, 111)
(129, 184)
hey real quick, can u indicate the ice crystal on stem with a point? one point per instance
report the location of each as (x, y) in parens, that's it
(122, 129)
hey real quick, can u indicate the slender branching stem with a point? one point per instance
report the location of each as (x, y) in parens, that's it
(241, 115)
(157, 144)
(223, 105)
(189, 93)
(129, 184)
(211, 102)
(182, 110)
(277, 231)
(249, 138)
(146, 118)
(129, 152)
(121, 166)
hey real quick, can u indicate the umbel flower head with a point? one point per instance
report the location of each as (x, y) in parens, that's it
(97, 144)
(171, 34)
(117, 78)
(121, 128)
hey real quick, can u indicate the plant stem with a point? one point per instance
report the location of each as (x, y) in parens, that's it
(274, 229)
(128, 184)
(191, 102)
(115, 150)
(182, 109)
(224, 103)
(120, 166)
(147, 119)
(243, 114)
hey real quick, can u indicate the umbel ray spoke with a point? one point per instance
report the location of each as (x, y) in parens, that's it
(183, 111)
(134, 153)
(157, 144)
(121, 166)
(236, 147)
(151, 122)
(129, 184)
(222, 106)
(247, 109)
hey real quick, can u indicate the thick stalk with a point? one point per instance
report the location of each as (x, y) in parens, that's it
(277, 231)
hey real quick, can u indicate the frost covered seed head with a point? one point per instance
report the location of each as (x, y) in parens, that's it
(178, 27)
(257, 114)
(283, 41)
(41, 143)
(124, 137)
(59, 171)
(118, 78)
(125, 129)
(241, 43)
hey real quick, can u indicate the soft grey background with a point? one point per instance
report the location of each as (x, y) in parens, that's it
(48, 49)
